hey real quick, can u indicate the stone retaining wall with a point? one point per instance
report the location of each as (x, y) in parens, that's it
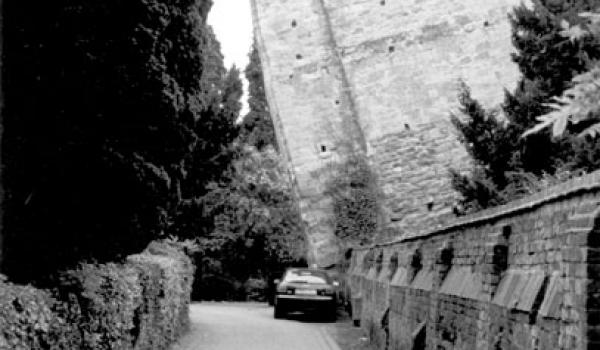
(519, 276)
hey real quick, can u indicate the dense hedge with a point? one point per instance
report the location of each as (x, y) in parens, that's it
(29, 319)
(140, 304)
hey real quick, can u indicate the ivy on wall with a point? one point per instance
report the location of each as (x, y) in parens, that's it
(353, 191)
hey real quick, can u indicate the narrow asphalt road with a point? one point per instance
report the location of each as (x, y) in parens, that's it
(241, 326)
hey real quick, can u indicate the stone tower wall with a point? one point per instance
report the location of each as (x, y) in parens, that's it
(380, 75)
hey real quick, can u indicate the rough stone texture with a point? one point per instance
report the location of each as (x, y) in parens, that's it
(379, 78)
(519, 276)
(1, 126)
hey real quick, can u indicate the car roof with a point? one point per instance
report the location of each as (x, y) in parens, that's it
(306, 272)
(306, 269)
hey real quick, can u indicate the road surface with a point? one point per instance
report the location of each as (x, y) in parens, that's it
(241, 326)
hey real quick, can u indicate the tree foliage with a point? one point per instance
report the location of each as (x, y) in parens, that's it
(504, 163)
(257, 126)
(117, 114)
(577, 108)
(257, 225)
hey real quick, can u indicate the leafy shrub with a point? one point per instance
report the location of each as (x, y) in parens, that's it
(108, 296)
(553, 52)
(577, 108)
(216, 287)
(140, 304)
(256, 226)
(28, 320)
(166, 280)
(256, 289)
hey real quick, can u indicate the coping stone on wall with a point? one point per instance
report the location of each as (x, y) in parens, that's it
(423, 280)
(372, 275)
(384, 274)
(519, 289)
(418, 329)
(550, 307)
(583, 184)
(357, 268)
(400, 278)
(463, 282)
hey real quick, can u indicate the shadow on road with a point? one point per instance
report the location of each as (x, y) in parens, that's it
(308, 317)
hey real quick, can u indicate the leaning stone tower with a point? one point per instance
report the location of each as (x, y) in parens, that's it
(379, 77)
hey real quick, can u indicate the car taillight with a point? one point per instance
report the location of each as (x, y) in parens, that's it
(285, 290)
(325, 292)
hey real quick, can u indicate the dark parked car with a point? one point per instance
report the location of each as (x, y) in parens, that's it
(304, 289)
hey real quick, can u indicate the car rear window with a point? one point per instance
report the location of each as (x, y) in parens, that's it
(306, 276)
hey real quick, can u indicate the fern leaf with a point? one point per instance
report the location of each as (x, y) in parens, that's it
(592, 131)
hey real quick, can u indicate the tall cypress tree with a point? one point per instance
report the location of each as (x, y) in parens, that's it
(110, 105)
(211, 158)
(257, 127)
(504, 161)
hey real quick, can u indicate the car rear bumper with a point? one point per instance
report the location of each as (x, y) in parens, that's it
(305, 297)
(304, 302)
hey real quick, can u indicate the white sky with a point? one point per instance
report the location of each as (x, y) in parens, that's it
(232, 23)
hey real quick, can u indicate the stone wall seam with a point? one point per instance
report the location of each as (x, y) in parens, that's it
(346, 87)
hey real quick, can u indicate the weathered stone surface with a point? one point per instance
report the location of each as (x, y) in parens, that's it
(379, 78)
(1, 128)
(521, 276)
